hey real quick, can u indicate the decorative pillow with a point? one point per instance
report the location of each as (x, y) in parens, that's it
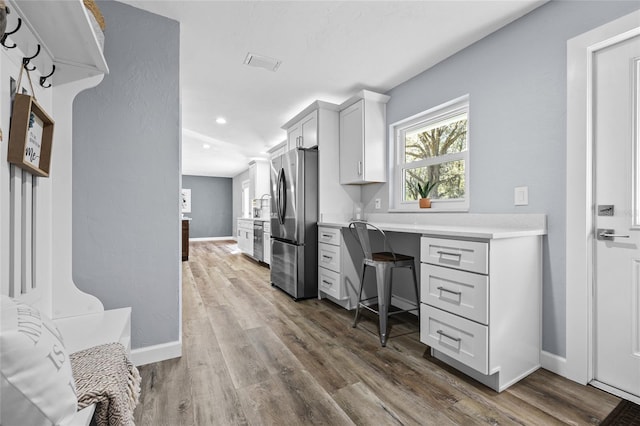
(37, 384)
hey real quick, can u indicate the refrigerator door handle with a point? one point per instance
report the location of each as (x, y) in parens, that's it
(277, 200)
(282, 197)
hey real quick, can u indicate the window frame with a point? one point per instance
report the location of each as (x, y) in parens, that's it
(397, 164)
(246, 198)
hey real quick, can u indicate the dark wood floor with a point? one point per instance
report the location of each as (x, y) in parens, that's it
(251, 355)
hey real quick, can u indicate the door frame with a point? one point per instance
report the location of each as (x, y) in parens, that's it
(578, 364)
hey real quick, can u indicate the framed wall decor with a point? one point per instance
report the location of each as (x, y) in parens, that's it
(30, 136)
(186, 200)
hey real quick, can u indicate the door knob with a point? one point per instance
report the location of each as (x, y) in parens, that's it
(608, 234)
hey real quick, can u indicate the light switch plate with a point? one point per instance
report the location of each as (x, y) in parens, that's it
(378, 203)
(521, 196)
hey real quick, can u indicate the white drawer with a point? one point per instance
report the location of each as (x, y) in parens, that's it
(329, 283)
(457, 337)
(458, 292)
(466, 255)
(266, 227)
(329, 235)
(245, 224)
(329, 257)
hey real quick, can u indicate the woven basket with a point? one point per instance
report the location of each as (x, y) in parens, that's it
(3, 18)
(95, 10)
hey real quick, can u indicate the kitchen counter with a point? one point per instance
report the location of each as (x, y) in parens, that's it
(255, 219)
(464, 225)
(253, 237)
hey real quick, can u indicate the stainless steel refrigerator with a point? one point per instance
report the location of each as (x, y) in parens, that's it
(294, 217)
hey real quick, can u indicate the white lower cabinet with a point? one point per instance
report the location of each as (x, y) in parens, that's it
(481, 306)
(329, 283)
(329, 257)
(458, 292)
(337, 276)
(465, 341)
(266, 243)
(245, 236)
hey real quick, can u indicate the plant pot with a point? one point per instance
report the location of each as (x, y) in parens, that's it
(425, 203)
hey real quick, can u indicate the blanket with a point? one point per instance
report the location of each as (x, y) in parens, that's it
(104, 376)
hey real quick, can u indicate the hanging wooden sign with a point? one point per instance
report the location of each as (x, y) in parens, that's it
(30, 136)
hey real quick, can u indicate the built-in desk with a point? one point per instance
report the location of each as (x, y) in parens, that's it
(482, 226)
(480, 286)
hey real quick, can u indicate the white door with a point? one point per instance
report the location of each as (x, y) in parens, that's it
(617, 215)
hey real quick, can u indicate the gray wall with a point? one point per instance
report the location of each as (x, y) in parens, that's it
(126, 175)
(516, 79)
(211, 206)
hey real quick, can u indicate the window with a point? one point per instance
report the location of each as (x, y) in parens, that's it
(432, 151)
(246, 201)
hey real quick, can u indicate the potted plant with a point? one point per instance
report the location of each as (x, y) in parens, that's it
(424, 191)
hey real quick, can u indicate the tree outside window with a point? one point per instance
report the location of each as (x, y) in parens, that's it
(432, 148)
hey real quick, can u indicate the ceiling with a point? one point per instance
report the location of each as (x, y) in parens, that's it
(329, 51)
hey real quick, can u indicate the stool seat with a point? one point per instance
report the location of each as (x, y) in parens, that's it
(384, 262)
(385, 256)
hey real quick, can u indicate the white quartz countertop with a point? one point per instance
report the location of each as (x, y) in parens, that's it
(458, 225)
(255, 219)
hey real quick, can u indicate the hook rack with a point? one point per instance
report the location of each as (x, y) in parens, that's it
(8, 33)
(26, 60)
(44, 78)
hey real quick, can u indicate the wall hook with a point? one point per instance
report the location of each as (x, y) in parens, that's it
(44, 78)
(26, 60)
(8, 33)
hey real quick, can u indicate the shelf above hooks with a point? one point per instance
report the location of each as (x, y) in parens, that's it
(73, 54)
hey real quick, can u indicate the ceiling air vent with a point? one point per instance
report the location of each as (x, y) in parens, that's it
(260, 61)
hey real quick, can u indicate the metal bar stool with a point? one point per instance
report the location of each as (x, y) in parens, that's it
(384, 262)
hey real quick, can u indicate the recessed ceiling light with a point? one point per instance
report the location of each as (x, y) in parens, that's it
(206, 146)
(221, 120)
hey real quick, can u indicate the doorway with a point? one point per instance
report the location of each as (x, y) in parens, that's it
(593, 164)
(616, 224)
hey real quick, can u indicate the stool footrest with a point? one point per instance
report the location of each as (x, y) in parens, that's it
(417, 308)
(390, 312)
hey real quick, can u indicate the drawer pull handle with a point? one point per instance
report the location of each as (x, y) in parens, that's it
(324, 256)
(327, 282)
(448, 253)
(457, 293)
(327, 235)
(455, 339)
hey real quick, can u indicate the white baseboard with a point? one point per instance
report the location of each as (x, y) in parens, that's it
(554, 363)
(156, 353)
(212, 238)
(402, 303)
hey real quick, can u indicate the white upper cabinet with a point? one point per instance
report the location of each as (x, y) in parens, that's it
(278, 150)
(363, 139)
(311, 126)
(304, 133)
